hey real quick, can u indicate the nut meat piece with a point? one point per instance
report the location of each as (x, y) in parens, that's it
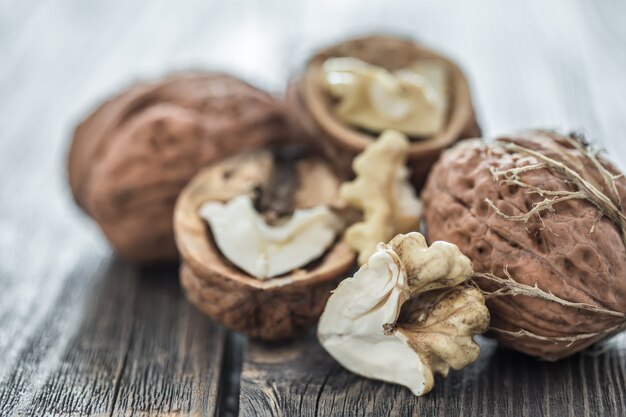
(406, 315)
(131, 157)
(542, 218)
(412, 100)
(265, 251)
(277, 308)
(310, 106)
(383, 194)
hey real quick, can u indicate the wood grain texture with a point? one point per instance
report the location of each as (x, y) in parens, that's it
(301, 379)
(138, 349)
(83, 333)
(173, 360)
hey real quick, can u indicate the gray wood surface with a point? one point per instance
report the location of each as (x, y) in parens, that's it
(84, 333)
(302, 379)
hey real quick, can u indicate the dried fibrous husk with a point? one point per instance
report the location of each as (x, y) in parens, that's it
(310, 106)
(131, 157)
(542, 217)
(276, 308)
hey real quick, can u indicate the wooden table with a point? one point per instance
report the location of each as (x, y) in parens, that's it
(85, 333)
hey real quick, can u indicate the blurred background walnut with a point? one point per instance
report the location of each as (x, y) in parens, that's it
(131, 157)
(382, 82)
(542, 217)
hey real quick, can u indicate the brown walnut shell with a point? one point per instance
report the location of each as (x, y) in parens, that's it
(131, 157)
(277, 308)
(309, 105)
(566, 264)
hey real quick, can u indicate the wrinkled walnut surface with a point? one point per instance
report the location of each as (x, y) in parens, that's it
(131, 157)
(571, 252)
(310, 106)
(276, 308)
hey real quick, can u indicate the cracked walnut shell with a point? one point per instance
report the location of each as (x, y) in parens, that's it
(131, 157)
(542, 217)
(310, 105)
(279, 182)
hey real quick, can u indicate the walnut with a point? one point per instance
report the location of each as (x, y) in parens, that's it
(312, 107)
(264, 250)
(382, 192)
(406, 315)
(412, 100)
(131, 157)
(279, 182)
(542, 217)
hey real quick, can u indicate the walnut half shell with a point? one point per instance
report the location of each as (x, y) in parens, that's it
(276, 308)
(131, 157)
(310, 105)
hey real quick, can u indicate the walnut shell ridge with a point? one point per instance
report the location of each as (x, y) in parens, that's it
(278, 308)
(130, 158)
(309, 106)
(572, 252)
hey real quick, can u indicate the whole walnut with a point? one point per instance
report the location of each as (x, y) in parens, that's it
(131, 157)
(310, 105)
(543, 218)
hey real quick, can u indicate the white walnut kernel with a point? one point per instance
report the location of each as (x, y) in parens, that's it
(265, 251)
(413, 100)
(365, 328)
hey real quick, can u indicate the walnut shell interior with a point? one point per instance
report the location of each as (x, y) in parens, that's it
(131, 157)
(310, 106)
(277, 308)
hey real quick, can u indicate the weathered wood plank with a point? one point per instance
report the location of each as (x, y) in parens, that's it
(300, 379)
(140, 349)
(81, 377)
(172, 363)
(44, 349)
